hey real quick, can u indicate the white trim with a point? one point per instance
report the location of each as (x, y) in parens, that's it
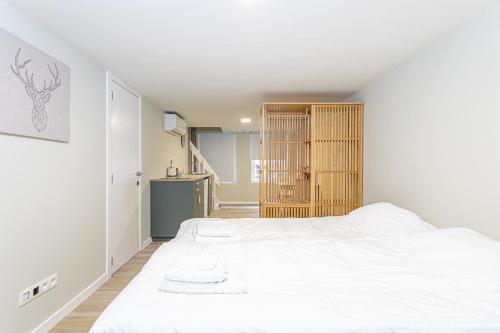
(66, 309)
(139, 188)
(239, 202)
(111, 77)
(108, 169)
(146, 243)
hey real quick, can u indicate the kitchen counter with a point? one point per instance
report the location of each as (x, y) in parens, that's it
(174, 200)
(186, 178)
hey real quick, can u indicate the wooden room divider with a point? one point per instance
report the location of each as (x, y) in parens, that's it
(310, 159)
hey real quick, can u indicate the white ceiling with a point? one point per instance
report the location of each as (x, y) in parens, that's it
(215, 61)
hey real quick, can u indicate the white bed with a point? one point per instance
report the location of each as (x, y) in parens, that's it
(379, 269)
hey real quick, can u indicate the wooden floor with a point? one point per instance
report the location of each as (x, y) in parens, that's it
(236, 211)
(84, 316)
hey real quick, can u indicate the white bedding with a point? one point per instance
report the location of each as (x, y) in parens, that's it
(380, 219)
(379, 269)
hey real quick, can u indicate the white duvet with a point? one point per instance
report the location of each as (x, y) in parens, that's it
(378, 269)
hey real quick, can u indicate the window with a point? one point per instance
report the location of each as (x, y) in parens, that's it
(255, 157)
(255, 171)
(219, 150)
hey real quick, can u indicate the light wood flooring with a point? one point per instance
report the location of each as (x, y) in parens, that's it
(236, 211)
(84, 316)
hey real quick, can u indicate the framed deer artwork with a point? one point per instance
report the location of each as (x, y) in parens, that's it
(35, 99)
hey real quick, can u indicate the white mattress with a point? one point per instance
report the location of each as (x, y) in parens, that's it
(379, 269)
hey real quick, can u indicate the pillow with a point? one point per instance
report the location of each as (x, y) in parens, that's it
(386, 219)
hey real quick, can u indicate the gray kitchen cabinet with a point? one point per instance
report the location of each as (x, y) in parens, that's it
(174, 201)
(198, 198)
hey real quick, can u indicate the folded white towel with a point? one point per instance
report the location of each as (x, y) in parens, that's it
(215, 229)
(217, 274)
(234, 284)
(201, 262)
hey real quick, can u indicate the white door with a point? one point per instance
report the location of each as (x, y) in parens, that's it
(124, 190)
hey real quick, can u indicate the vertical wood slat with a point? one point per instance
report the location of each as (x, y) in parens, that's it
(312, 193)
(360, 156)
(283, 185)
(311, 159)
(337, 144)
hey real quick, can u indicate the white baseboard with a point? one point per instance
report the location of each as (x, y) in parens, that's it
(239, 202)
(70, 306)
(146, 243)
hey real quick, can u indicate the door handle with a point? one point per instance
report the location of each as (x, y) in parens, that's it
(139, 173)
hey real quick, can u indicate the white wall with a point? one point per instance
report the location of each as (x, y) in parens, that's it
(52, 195)
(243, 189)
(158, 147)
(432, 130)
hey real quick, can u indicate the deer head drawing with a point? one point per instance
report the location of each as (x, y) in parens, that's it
(39, 97)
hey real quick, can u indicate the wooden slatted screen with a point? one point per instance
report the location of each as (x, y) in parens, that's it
(285, 155)
(336, 184)
(311, 159)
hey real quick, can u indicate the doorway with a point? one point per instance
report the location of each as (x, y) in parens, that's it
(124, 173)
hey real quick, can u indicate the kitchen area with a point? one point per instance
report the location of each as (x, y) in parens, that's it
(177, 196)
(176, 199)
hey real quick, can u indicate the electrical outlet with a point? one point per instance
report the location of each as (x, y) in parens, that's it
(38, 289)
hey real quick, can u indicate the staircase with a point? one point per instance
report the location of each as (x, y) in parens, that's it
(203, 167)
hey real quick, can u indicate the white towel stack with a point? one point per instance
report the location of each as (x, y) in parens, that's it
(203, 274)
(199, 269)
(214, 231)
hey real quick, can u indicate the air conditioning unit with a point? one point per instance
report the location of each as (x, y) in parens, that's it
(174, 124)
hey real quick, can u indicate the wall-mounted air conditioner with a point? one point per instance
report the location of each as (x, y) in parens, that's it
(174, 124)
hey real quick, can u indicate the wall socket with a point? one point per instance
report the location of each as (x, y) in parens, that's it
(30, 293)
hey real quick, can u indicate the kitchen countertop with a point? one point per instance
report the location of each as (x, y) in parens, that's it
(185, 178)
